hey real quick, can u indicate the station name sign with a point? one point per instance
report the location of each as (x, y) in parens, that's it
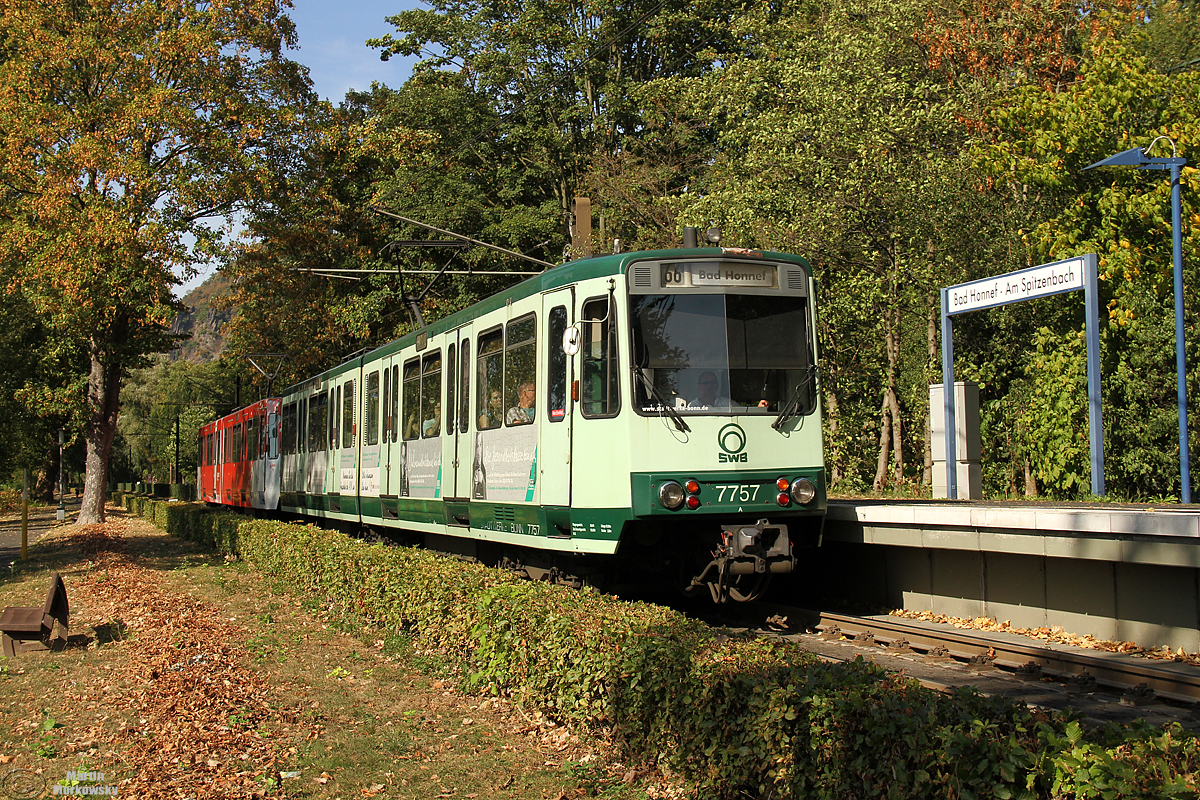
(1025, 284)
(718, 273)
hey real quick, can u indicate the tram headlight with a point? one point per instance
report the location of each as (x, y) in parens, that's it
(671, 495)
(803, 491)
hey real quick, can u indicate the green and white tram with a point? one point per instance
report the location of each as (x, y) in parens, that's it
(643, 417)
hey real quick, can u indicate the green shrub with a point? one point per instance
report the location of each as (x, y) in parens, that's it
(733, 717)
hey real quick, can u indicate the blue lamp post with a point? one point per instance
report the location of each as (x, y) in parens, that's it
(1136, 157)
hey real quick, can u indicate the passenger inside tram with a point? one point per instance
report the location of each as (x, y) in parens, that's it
(523, 412)
(433, 426)
(495, 412)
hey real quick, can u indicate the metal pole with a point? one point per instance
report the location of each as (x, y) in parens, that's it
(1185, 471)
(1091, 302)
(61, 514)
(948, 397)
(176, 478)
(24, 514)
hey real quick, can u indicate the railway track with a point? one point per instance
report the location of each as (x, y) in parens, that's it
(1136, 680)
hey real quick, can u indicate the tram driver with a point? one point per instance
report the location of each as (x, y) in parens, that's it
(710, 396)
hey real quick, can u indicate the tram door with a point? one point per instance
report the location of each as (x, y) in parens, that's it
(554, 400)
(459, 419)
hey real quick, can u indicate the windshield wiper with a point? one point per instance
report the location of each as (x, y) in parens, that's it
(666, 407)
(792, 407)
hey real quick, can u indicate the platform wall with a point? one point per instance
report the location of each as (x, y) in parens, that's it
(1143, 588)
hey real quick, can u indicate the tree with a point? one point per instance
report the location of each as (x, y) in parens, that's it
(40, 389)
(163, 406)
(835, 138)
(564, 77)
(127, 125)
(1043, 140)
(403, 147)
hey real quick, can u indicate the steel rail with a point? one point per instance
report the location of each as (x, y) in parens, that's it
(1167, 679)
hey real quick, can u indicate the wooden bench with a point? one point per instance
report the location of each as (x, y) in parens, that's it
(31, 628)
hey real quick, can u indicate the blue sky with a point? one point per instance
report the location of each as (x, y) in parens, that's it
(332, 44)
(332, 37)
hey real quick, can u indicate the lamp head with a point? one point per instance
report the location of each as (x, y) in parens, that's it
(1133, 157)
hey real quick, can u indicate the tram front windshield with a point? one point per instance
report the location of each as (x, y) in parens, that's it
(722, 354)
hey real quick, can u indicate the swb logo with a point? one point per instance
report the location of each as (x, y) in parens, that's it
(732, 440)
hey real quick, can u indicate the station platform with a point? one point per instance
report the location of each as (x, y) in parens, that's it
(1119, 573)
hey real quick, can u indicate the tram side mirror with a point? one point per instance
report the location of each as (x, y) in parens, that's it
(570, 342)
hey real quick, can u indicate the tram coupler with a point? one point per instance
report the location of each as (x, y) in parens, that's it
(755, 549)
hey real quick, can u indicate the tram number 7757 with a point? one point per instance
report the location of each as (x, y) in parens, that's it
(737, 492)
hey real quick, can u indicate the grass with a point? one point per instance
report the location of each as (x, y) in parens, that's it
(316, 712)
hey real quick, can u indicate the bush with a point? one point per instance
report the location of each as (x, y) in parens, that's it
(733, 717)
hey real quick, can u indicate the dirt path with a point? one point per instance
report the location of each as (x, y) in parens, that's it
(41, 521)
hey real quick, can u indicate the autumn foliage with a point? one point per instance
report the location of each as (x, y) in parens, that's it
(124, 127)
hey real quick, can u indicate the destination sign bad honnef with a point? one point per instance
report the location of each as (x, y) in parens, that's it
(728, 273)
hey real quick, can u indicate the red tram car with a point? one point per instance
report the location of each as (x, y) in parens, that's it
(239, 457)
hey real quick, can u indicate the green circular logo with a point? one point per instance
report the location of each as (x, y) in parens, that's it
(731, 438)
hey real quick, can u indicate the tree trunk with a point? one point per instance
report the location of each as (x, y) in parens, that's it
(894, 397)
(932, 332)
(47, 477)
(885, 441)
(834, 463)
(831, 410)
(889, 415)
(103, 397)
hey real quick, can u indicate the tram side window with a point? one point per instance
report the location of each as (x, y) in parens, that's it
(371, 411)
(302, 425)
(556, 371)
(520, 371)
(317, 422)
(490, 383)
(348, 415)
(252, 438)
(451, 352)
(271, 435)
(431, 392)
(600, 390)
(395, 402)
(389, 415)
(235, 449)
(289, 429)
(335, 408)
(464, 401)
(412, 399)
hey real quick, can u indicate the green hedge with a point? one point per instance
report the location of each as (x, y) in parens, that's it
(732, 717)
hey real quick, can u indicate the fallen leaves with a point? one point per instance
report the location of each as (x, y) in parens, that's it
(1054, 633)
(199, 714)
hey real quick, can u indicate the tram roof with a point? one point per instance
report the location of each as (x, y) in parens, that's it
(561, 275)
